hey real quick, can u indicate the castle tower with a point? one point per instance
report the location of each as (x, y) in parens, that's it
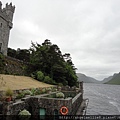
(6, 17)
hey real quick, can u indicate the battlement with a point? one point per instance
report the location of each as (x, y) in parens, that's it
(10, 7)
(7, 12)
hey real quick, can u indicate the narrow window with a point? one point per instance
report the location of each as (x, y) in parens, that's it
(1, 25)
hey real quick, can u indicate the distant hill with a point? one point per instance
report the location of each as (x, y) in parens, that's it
(86, 79)
(105, 80)
(115, 80)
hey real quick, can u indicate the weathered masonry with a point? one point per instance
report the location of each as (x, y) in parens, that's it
(6, 17)
(41, 106)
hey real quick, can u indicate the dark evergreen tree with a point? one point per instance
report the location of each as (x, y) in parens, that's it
(48, 58)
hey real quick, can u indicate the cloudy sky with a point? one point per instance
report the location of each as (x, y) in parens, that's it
(87, 29)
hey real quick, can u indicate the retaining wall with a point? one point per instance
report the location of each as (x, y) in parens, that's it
(33, 105)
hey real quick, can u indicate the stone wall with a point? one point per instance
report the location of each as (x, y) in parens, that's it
(76, 102)
(33, 105)
(74, 88)
(14, 66)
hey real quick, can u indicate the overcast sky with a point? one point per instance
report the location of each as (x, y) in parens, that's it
(87, 29)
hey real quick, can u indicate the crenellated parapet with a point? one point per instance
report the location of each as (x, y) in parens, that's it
(10, 7)
(7, 12)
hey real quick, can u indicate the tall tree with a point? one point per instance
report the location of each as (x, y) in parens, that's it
(48, 58)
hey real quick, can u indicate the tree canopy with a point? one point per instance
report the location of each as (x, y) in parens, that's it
(21, 54)
(48, 59)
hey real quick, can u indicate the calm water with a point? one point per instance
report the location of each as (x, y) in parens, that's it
(103, 99)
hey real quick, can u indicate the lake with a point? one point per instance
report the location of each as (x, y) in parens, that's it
(104, 99)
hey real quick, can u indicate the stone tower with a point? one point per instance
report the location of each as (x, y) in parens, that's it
(6, 16)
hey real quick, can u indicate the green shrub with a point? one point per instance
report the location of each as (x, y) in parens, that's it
(60, 95)
(24, 114)
(49, 89)
(43, 90)
(37, 92)
(60, 84)
(27, 92)
(33, 90)
(49, 80)
(40, 76)
(54, 89)
(20, 95)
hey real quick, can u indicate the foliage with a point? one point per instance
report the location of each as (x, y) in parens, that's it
(43, 91)
(37, 92)
(27, 92)
(24, 114)
(48, 59)
(40, 76)
(8, 92)
(11, 52)
(47, 63)
(54, 89)
(32, 75)
(33, 91)
(20, 95)
(48, 80)
(60, 95)
(49, 89)
(21, 54)
(60, 84)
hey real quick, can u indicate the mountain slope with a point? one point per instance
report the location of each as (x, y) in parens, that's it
(86, 79)
(115, 80)
(106, 79)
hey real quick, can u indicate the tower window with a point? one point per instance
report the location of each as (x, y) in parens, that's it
(1, 25)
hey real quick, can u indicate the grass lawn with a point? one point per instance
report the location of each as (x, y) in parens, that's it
(19, 82)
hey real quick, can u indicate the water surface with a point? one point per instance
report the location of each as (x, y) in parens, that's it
(103, 99)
